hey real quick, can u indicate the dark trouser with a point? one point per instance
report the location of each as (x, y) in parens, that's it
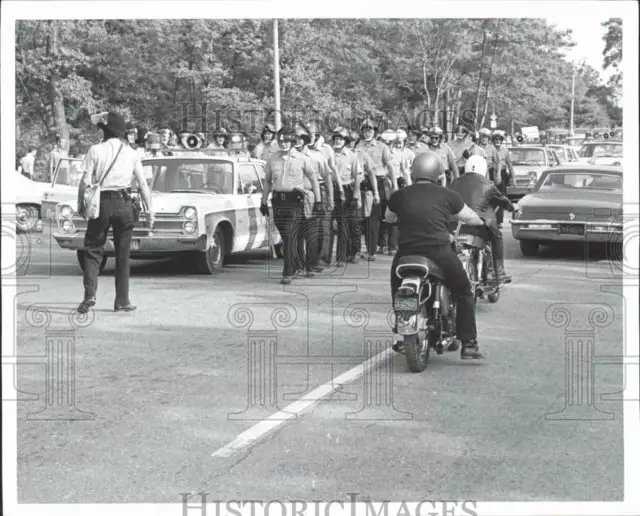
(392, 236)
(288, 216)
(374, 224)
(325, 228)
(494, 236)
(116, 211)
(349, 226)
(309, 243)
(503, 190)
(455, 279)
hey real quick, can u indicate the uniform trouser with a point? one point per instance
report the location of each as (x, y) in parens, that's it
(455, 279)
(288, 216)
(374, 223)
(116, 211)
(309, 243)
(349, 226)
(503, 190)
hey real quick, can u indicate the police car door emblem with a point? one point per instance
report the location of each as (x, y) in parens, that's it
(571, 216)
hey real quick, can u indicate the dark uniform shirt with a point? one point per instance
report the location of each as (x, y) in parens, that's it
(424, 212)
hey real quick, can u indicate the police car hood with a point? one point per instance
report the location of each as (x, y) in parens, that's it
(206, 201)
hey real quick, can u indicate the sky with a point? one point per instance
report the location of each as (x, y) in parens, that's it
(588, 34)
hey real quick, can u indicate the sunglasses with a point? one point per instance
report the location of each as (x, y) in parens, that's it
(288, 138)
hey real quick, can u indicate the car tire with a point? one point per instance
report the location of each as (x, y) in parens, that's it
(27, 217)
(212, 260)
(80, 255)
(529, 247)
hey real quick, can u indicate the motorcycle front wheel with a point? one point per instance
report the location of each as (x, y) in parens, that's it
(417, 349)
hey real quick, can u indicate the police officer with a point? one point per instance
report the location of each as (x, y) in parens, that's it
(383, 167)
(310, 244)
(369, 195)
(463, 147)
(444, 153)
(330, 218)
(402, 159)
(348, 210)
(504, 171)
(423, 212)
(267, 143)
(115, 165)
(484, 135)
(220, 138)
(284, 176)
(413, 142)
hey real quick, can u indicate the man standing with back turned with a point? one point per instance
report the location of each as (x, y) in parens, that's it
(113, 164)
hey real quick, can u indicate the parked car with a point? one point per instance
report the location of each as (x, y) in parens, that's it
(206, 205)
(565, 153)
(571, 203)
(64, 186)
(605, 152)
(529, 161)
(28, 199)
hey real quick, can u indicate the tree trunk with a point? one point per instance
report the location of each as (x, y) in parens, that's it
(56, 99)
(479, 87)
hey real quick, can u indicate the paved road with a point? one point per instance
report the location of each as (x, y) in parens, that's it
(161, 384)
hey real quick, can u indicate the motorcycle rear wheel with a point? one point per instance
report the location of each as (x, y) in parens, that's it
(417, 352)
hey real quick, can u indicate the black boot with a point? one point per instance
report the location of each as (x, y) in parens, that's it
(471, 350)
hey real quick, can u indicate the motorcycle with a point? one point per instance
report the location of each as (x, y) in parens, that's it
(477, 259)
(425, 311)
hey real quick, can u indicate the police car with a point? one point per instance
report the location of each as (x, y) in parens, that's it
(206, 205)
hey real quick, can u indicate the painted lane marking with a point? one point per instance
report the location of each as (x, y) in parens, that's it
(276, 420)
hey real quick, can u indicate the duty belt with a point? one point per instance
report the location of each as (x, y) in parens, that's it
(121, 192)
(293, 195)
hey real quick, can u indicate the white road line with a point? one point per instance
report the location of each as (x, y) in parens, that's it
(265, 427)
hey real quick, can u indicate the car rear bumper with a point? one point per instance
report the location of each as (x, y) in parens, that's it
(556, 231)
(140, 245)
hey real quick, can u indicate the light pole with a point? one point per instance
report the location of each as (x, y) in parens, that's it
(573, 98)
(276, 73)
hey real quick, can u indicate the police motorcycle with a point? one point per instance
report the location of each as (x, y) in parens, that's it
(425, 310)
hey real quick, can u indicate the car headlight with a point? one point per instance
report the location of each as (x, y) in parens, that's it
(533, 176)
(68, 226)
(189, 213)
(66, 212)
(189, 227)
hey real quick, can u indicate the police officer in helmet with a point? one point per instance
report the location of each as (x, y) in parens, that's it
(423, 212)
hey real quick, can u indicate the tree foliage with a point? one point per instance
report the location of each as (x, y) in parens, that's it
(335, 71)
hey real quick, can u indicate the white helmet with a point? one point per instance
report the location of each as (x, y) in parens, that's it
(477, 165)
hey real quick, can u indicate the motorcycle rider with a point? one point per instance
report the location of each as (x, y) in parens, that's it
(423, 212)
(504, 171)
(482, 196)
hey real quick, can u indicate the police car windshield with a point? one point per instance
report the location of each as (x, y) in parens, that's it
(68, 173)
(582, 181)
(593, 150)
(520, 156)
(202, 176)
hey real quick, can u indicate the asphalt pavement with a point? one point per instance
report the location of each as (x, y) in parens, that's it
(239, 387)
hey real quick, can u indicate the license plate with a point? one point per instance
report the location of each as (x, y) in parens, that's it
(409, 304)
(571, 229)
(135, 245)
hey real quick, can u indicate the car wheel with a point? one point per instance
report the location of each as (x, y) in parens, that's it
(529, 247)
(80, 255)
(26, 217)
(212, 260)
